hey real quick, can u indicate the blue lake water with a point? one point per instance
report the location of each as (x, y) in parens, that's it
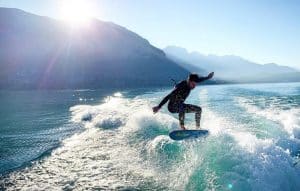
(93, 139)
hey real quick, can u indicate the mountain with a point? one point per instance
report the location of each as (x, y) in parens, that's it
(232, 68)
(41, 52)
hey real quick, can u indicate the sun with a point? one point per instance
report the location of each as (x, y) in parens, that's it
(75, 12)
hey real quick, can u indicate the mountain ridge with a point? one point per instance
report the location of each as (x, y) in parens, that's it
(38, 52)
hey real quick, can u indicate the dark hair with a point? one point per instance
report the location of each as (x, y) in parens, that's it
(194, 77)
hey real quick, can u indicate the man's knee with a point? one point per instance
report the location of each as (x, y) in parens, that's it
(198, 109)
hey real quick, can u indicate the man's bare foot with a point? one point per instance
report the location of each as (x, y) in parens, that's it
(198, 127)
(182, 127)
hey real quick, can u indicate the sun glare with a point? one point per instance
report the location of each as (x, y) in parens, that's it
(75, 12)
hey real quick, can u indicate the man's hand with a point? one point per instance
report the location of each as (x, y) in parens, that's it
(155, 109)
(210, 75)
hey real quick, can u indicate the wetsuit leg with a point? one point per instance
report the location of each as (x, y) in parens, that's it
(177, 108)
(181, 113)
(188, 108)
(182, 108)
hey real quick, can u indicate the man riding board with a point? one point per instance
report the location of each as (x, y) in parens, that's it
(177, 97)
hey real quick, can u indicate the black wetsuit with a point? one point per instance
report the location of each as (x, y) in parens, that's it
(176, 102)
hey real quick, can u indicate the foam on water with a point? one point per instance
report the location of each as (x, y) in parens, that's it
(289, 118)
(98, 158)
(125, 146)
(259, 160)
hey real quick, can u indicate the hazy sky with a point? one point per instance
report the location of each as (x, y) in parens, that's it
(263, 31)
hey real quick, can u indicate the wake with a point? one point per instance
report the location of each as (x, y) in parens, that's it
(125, 146)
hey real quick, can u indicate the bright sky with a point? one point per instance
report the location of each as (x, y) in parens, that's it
(262, 31)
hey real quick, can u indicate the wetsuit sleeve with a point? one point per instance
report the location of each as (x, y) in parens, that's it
(201, 79)
(164, 100)
(168, 96)
(177, 88)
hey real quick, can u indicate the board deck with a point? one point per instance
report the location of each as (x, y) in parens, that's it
(187, 134)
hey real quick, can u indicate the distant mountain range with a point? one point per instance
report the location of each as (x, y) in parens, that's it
(40, 52)
(232, 68)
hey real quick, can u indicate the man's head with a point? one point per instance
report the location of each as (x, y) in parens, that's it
(193, 80)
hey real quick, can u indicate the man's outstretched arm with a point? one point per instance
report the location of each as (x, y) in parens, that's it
(165, 100)
(209, 76)
(157, 108)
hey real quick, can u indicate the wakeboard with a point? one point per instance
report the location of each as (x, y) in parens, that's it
(178, 135)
